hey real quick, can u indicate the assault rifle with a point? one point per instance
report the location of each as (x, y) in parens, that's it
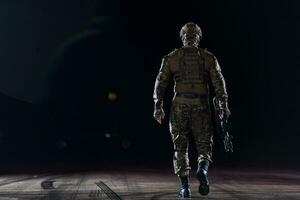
(223, 126)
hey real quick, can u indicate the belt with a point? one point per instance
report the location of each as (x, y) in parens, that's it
(191, 95)
(197, 88)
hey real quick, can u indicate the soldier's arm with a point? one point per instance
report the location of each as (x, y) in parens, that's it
(218, 82)
(161, 83)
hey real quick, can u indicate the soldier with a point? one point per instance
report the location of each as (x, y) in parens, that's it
(192, 69)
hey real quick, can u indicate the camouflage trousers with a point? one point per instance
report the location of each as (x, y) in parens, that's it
(190, 116)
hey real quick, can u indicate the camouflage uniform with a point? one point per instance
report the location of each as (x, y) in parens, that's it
(192, 69)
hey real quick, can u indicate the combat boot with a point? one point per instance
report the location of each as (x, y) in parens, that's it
(185, 191)
(202, 177)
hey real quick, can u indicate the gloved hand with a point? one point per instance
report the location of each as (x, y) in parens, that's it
(159, 114)
(225, 112)
(223, 108)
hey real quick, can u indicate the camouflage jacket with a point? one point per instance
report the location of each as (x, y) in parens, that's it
(192, 69)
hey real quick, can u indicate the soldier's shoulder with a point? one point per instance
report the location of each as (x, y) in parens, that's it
(208, 53)
(174, 53)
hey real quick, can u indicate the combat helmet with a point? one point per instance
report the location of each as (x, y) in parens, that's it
(190, 34)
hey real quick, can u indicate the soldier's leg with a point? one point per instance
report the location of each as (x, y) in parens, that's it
(179, 118)
(202, 130)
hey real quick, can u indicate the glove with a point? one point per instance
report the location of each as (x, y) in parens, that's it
(159, 114)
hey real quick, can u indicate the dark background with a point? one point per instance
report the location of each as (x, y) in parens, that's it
(61, 59)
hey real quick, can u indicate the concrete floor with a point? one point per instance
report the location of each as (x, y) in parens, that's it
(142, 183)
